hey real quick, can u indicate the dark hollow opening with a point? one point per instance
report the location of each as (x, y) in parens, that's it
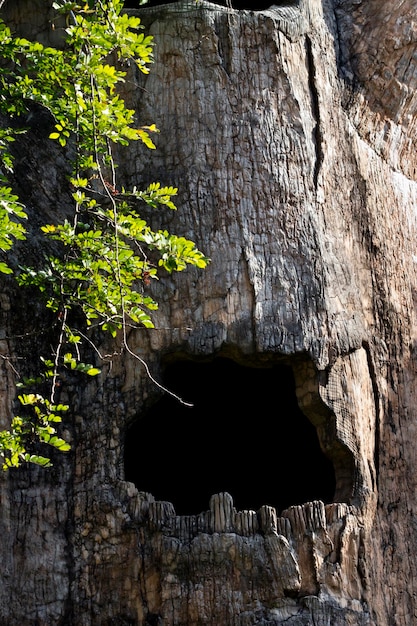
(252, 5)
(245, 434)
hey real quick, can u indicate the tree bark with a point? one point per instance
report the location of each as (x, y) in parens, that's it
(290, 135)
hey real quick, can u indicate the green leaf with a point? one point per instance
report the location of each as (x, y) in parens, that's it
(59, 443)
(93, 371)
(38, 460)
(5, 269)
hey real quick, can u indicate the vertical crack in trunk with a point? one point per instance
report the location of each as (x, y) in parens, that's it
(374, 382)
(315, 105)
(244, 260)
(224, 32)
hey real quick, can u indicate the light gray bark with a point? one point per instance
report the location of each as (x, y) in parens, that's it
(290, 134)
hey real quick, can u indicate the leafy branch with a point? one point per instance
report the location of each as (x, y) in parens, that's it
(103, 269)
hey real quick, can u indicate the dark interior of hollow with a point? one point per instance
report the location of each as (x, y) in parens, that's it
(245, 434)
(251, 5)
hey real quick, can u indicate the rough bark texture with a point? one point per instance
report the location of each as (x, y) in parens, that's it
(290, 135)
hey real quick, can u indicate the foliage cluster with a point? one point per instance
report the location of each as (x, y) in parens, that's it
(103, 269)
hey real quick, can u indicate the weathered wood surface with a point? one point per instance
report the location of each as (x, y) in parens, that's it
(290, 135)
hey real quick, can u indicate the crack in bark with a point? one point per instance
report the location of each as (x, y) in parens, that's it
(315, 105)
(374, 382)
(246, 272)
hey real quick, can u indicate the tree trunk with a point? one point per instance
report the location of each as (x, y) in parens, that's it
(286, 494)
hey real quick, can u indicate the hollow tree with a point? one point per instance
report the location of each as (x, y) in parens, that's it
(285, 492)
